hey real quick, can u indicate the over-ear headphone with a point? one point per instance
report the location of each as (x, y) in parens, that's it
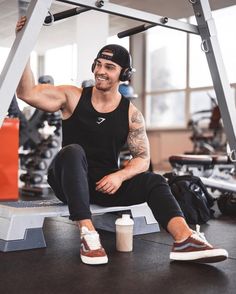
(125, 74)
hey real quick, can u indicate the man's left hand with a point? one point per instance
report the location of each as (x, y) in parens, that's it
(109, 184)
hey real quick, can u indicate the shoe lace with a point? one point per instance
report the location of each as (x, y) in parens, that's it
(200, 236)
(93, 240)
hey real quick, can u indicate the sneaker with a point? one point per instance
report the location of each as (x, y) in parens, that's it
(91, 250)
(196, 248)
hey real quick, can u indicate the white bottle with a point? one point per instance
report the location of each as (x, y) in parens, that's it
(124, 233)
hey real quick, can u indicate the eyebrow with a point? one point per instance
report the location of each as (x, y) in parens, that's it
(106, 63)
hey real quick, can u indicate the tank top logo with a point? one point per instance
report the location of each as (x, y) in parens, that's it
(100, 120)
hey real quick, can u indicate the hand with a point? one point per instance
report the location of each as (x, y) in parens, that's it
(20, 23)
(109, 184)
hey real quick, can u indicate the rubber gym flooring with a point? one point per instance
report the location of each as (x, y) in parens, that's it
(57, 269)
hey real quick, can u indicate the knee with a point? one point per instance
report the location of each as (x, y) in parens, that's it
(73, 152)
(156, 180)
(160, 179)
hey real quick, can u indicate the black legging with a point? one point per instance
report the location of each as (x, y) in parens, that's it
(74, 184)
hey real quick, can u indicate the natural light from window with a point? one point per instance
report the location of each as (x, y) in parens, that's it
(61, 64)
(166, 69)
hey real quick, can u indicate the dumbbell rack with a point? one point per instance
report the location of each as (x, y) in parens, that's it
(34, 165)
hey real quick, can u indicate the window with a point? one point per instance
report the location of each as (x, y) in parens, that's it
(166, 66)
(201, 101)
(226, 29)
(61, 64)
(166, 59)
(225, 22)
(166, 110)
(165, 76)
(199, 71)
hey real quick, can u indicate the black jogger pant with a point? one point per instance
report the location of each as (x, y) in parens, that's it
(74, 184)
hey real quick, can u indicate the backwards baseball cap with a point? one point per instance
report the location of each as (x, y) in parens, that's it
(117, 54)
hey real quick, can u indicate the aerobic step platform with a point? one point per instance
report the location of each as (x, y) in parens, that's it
(21, 222)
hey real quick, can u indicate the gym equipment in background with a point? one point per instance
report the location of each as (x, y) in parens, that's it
(217, 173)
(9, 137)
(35, 159)
(127, 91)
(227, 203)
(208, 134)
(29, 135)
(37, 146)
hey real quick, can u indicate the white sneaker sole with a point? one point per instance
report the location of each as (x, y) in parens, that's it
(205, 256)
(94, 260)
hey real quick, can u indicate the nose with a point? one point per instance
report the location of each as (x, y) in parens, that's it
(99, 69)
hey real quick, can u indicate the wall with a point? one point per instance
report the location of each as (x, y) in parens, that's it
(164, 143)
(91, 36)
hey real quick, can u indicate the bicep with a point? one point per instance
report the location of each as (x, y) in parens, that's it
(48, 98)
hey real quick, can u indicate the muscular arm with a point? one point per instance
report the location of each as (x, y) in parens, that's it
(138, 145)
(45, 97)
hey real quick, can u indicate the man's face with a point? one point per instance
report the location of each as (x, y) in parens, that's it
(106, 74)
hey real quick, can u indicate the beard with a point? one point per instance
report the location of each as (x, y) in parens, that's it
(102, 88)
(102, 85)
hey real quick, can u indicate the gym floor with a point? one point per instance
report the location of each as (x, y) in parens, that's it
(58, 269)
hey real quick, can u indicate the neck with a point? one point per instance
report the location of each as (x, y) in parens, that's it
(110, 95)
(105, 101)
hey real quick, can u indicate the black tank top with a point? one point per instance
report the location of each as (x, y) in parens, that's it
(102, 135)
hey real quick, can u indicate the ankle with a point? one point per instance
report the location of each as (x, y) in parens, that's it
(179, 229)
(87, 223)
(182, 235)
(182, 238)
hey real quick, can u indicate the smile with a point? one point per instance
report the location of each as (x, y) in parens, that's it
(101, 79)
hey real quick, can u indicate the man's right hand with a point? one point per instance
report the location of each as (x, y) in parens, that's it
(20, 23)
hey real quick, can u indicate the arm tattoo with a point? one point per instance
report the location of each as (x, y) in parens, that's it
(137, 138)
(137, 118)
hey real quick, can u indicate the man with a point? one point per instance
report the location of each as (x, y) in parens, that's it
(96, 123)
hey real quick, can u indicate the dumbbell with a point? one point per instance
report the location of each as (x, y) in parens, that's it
(31, 178)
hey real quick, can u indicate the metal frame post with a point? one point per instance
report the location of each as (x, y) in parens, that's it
(20, 52)
(210, 45)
